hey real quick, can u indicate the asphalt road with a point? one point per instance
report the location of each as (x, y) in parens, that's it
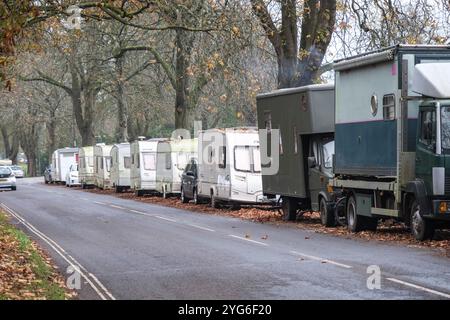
(125, 249)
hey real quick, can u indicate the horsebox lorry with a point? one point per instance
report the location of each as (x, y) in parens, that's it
(392, 140)
(304, 119)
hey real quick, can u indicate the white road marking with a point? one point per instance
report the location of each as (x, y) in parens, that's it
(415, 286)
(200, 227)
(249, 240)
(167, 219)
(61, 252)
(117, 207)
(322, 260)
(100, 203)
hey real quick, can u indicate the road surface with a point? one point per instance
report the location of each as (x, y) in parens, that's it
(126, 249)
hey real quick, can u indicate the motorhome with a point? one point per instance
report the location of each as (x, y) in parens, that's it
(392, 134)
(86, 168)
(305, 145)
(144, 159)
(229, 166)
(102, 165)
(62, 159)
(120, 166)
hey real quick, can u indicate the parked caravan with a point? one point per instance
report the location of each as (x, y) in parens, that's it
(120, 166)
(171, 165)
(86, 168)
(62, 159)
(229, 169)
(393, 138)
(144, 160)
(306, 147)
(102, 165)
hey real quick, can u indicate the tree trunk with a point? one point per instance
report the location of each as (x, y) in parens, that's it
(122, 105)
(51, 131)
(183, 54)
(11, 148)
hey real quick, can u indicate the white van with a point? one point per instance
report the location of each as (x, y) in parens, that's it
(62, 159)
(120, 166)
(229, 169)
(144, 160)
(102, 165)
(86, 168)
(171, 164)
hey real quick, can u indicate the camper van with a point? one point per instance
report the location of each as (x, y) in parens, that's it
(306, 147)
(144, 159)
(62, 159)
(120, 166)
(86, 168)
(102, 165)
(229, 166)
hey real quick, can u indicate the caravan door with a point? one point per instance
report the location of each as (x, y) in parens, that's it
(242, 169)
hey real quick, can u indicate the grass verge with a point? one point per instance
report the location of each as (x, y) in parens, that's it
(26, 273)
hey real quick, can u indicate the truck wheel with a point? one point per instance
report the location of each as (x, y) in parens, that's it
(183, 197)
(289, 207)
(326, 215)
(354, 222)
(421, 228)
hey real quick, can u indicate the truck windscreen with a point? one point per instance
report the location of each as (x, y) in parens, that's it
(328, 151)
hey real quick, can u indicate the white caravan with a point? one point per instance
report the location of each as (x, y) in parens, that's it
(86, 168)
(171, 164)
(144, 161)
(120, 166)
(62, 159)
(102, 165)
(229, 169)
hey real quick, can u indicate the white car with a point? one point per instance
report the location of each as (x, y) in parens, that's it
(72, 176)
(7, 179)
(18, 172)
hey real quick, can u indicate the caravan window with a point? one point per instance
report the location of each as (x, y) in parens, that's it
(223, 157)
(242, 158)
(149, 161)
(127, 162)
(256, 159)
(168, 160)
(108, 163)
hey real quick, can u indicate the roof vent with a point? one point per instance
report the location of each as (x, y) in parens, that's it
(141, 138)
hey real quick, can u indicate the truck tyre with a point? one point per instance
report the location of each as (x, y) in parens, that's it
(355, 223)
(183, 197)
(196, 199)
(421, 228)
(214, 202)
(289, 207)
(326, 214)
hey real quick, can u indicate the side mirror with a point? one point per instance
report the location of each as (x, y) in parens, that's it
(312, 162)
